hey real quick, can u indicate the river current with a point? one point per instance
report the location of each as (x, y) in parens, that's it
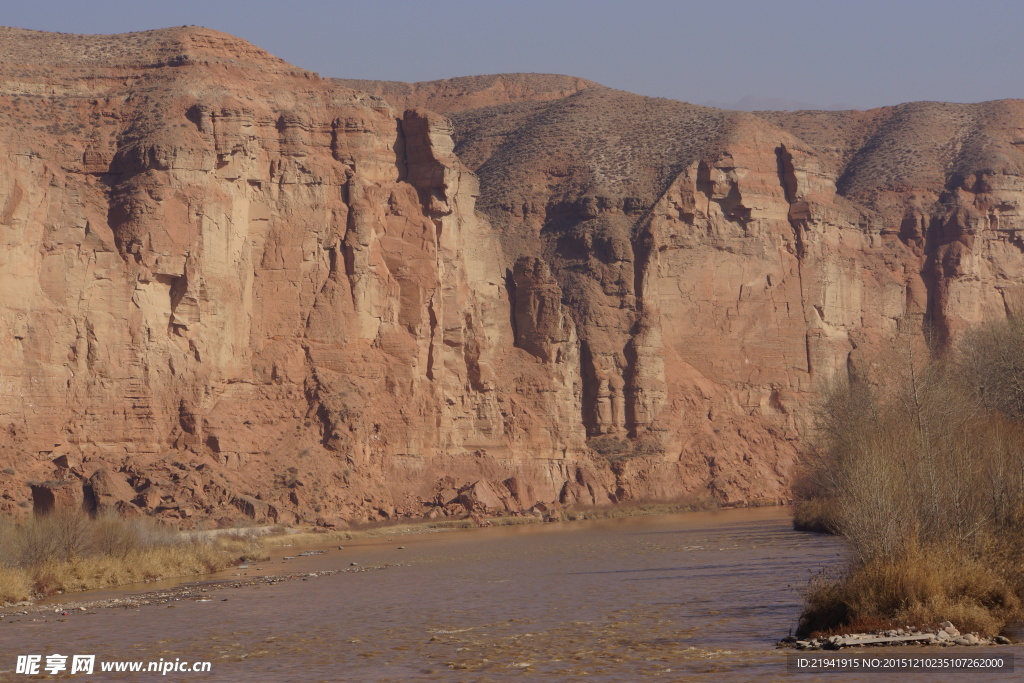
(691, 596)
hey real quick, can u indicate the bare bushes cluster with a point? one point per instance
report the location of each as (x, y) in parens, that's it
(920, 466)
(71, 551)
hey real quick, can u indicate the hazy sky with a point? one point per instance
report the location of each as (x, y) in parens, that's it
(862, 52)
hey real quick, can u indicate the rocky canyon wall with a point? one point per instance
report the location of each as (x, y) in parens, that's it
(722, 268)
(233, 289)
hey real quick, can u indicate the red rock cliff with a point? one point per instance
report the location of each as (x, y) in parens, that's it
(233, 288)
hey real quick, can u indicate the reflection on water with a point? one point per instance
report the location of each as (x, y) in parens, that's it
(681, 597)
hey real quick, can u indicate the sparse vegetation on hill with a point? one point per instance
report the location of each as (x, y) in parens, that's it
(168, 46)
(923, 475)
(465, 92)
(608, 141)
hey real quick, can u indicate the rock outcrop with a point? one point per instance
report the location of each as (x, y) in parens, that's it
(234, 289)
(720, 267)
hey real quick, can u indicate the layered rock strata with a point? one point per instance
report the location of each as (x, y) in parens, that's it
(720, 268)
(234, 289)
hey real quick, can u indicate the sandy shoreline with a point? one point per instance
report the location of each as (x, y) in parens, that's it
(198, 591)
(64, 606)
(297, 540)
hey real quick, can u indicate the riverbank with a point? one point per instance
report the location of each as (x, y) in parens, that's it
(146, 552)
(258, 542)
(424, 525)
(201, 591)
(945, 635)
(920, 469)
(609, 599)
(73, 551)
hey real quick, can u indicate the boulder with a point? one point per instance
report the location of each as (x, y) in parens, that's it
(480, 497)
(57, 496)
(109, 491)
(255, 509)
(69, 461)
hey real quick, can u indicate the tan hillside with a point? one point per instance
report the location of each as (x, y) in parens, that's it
(470, 92)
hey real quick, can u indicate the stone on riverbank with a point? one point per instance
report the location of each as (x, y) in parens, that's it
(945, 635)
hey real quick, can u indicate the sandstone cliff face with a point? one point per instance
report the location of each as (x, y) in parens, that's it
(720, 267)
(234, 289)
(238, 289)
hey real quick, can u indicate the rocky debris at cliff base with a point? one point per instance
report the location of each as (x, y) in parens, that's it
(946, 634)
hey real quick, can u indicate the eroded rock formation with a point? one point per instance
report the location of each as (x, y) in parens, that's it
(235, 289)
(232, 286)
(720, 267)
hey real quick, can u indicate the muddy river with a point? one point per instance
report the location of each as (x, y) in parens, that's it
(693, 596)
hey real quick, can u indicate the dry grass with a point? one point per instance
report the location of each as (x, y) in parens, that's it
(149, 564)
(920, 588)
(242, 548)
(15, 585)
(68, 552)
(924, 476)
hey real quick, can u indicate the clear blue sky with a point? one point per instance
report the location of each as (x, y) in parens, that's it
(862, 52)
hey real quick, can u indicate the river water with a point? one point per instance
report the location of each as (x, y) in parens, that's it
(692, 596)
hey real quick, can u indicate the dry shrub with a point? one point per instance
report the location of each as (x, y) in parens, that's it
(922, 587)
(72, 552)
(992, 357)
(147, 564)
(243, 547)
(923, 474)
(814, 514)
(9, 543)
(114, 536)
(14, 585)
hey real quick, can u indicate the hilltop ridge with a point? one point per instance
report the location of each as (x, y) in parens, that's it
(174, 46)
(467, 92)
